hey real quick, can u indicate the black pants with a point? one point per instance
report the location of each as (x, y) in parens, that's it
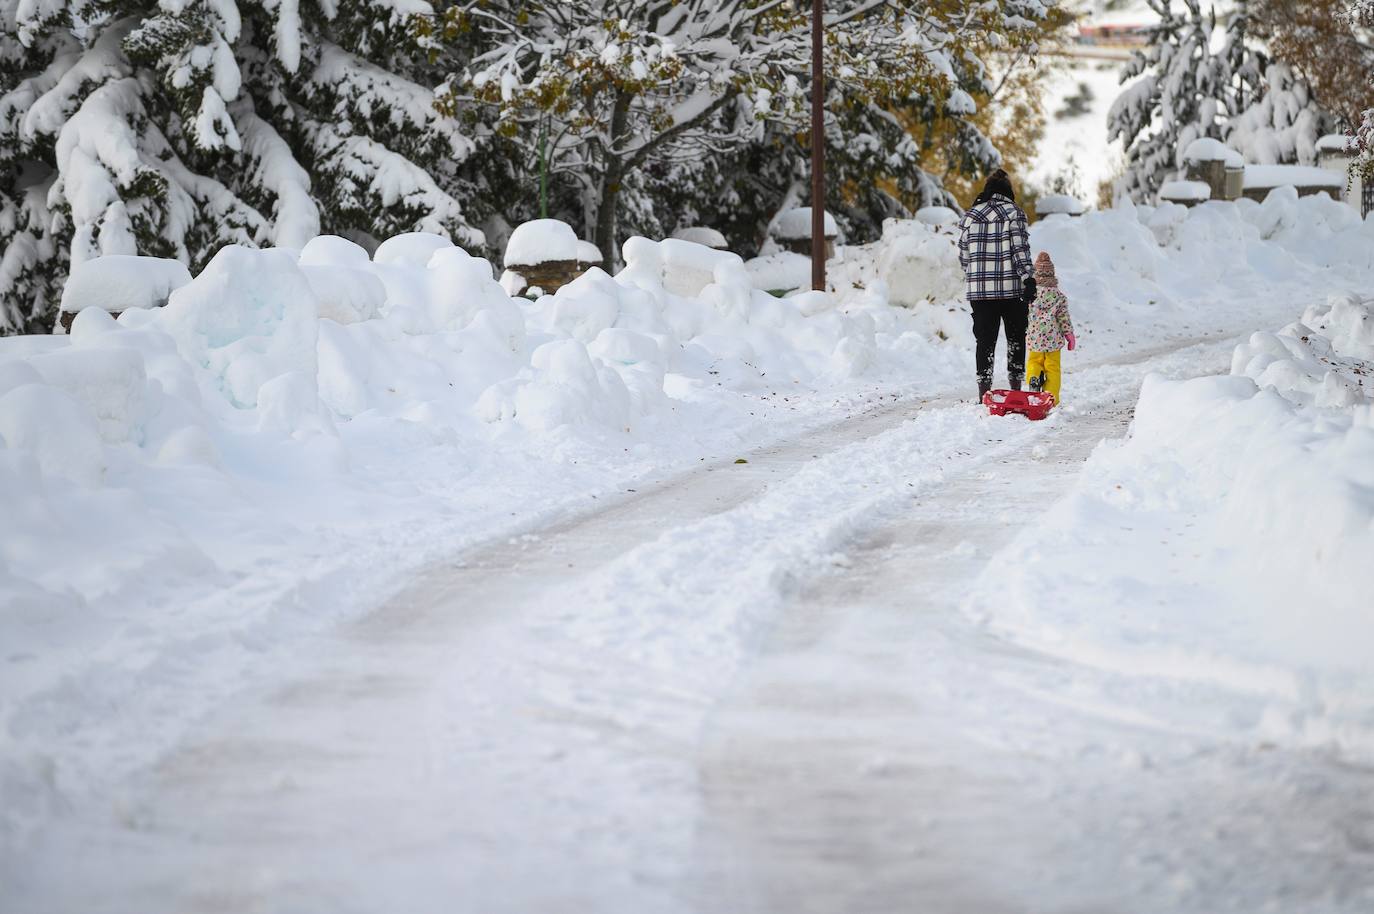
(987, 316)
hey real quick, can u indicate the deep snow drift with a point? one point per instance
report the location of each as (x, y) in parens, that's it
(193, 488)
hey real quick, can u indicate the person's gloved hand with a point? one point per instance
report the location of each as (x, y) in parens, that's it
(1028, 290)
(1073, 341)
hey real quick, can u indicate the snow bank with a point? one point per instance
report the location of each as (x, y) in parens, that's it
(1139, 272)
(915, 263)
(1248, 504)
(249, 317)
(270, 358)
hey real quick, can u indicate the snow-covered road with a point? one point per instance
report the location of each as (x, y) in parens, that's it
(749, 688)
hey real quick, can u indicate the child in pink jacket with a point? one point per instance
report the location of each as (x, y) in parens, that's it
(1048, 329)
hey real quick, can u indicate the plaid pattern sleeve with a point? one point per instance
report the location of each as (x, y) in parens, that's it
(994, 250)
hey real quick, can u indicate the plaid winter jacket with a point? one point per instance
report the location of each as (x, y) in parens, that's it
(994, 250)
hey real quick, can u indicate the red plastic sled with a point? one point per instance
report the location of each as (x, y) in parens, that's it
(1026, 403)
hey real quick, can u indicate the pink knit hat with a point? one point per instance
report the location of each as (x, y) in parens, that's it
(1044, 271)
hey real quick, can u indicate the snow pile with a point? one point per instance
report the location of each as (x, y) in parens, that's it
(269, 362)
(1249, 503)
(249, 319)
(346, 291)
(915, 263)
(1327, 364)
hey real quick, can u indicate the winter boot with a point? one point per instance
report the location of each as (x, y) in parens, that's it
(1037, 383)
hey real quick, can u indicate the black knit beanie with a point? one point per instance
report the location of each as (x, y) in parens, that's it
(998, 183)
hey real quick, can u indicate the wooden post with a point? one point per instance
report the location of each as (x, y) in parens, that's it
(817, 149)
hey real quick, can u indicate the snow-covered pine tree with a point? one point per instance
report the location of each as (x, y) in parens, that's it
(650, 99)
(1183, 91)
(174, 127)
(1283, 125)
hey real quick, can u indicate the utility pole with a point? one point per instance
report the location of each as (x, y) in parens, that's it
(817, 149)
(544, 167)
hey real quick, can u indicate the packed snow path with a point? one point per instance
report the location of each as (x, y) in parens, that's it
(747, 689)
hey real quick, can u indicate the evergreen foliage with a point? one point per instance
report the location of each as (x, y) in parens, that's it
(176, 127)
(173, 127)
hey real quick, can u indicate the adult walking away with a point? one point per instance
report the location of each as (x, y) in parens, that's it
(994, 251)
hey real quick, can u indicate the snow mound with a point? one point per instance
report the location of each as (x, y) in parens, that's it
(1242, 601)
(540, 241)
(413, 249)
(331, 250)
(118, 282)
(345, 294)
(54, 430)
(250, 316)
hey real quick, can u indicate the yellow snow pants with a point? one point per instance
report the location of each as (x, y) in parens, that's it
(1048, 362)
